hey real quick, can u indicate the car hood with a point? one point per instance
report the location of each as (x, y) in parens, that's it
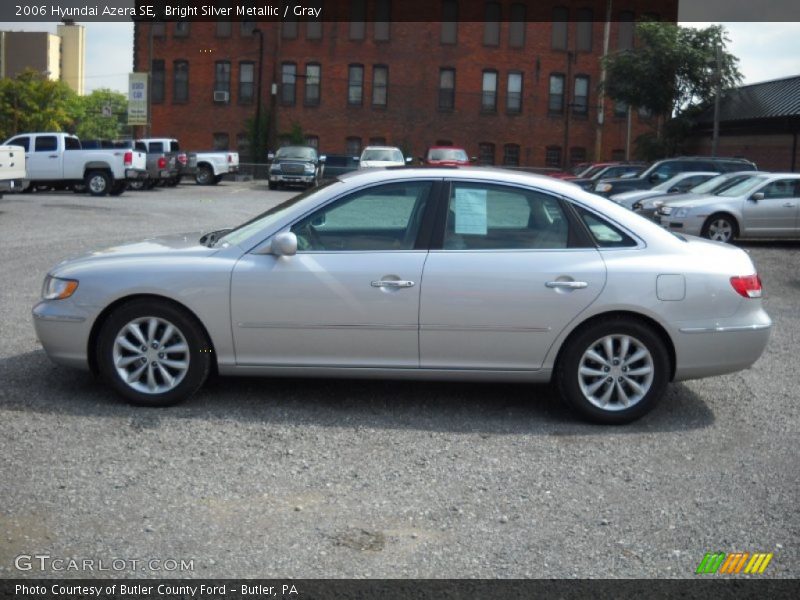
(670, 198)
(448, 163)
(696, 200)
(380, 163)
(185, 244)
(633, 196)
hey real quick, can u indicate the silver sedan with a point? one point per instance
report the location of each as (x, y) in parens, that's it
(468, 274)
(764, 205)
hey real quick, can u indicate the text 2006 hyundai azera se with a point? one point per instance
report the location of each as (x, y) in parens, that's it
(465, 274)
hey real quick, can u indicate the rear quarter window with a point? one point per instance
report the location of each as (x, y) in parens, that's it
(603, 233)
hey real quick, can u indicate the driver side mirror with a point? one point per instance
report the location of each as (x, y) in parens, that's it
(284, 244)
(408, 160)
(757, 196)
(323, 158)
(271, 156)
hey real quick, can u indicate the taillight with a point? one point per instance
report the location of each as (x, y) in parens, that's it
(748, 286)
(162, 163)
(182, 158)
(230, 157)
(128, 159)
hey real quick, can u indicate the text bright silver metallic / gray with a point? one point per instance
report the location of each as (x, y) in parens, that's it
(462, 274)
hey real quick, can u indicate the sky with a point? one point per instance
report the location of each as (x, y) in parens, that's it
(768, 50)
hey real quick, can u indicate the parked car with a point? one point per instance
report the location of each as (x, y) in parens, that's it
(446, 156)
(13, 174)
(473, 274)
(382, 156)
(57, 160)
(209, 168)
(295, 165)
(647, 207)
(171, 170)
(765, 205)
(339, 164)
(682, 182)
(621, 170)
(662, 170)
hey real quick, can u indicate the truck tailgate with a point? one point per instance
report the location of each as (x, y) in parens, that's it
(12, 162)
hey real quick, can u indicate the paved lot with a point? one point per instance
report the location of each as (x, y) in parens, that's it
(319, 478)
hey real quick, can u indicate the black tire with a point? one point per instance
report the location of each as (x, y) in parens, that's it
(718, 225)
(98, 183)
(569, 379)
(118, 188)
(151, 183)
(273, 185)
(217, 179)
(137, 185)
(198, 353)
(204, 175)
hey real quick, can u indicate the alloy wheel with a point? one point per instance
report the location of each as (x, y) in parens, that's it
(720, 230)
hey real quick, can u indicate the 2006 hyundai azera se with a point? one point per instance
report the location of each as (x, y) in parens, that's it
(465, 274)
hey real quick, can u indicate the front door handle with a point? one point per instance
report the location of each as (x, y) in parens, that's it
(570, 285)
(392, 283)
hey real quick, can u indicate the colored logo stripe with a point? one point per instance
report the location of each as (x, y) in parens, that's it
(734, 563)
(758, 563)
(710, 562)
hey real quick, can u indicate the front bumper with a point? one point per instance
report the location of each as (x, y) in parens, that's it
(63, 329)
(292, 179)
(689, 225)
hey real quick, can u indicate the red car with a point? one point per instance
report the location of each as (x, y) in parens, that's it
(446, 156)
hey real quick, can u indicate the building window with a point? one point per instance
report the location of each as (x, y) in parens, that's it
(516, 28)
(380, 85)
(625, 30)
(491, 24)
(353, 146)
(555, 102)
(313, 72)
(159, 29)
(552, 156)
(247, 27)
(620, 108)
(511, 155)
(584, 29)
(447, 89)
(355, 84)
(377, 141)
(618, 154)
(222, 81)
(313, 141)
(314, 28)
(357, 16)
(514, 95)
(180, 81)
(560, 21)
(243, 143)
(383, 11)
(449, 22)
(580, 102)
(288, 83)
(485, 153)
(181, 29)
(221, 141)
(247, 72)
(289, 28)
(489, 95)
(157, 83)
(223, 29)
(577, 156)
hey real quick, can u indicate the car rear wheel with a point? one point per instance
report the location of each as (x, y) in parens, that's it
(98, 183)
(204, 176)
(720, 228)
(613, 371)
(153, 353)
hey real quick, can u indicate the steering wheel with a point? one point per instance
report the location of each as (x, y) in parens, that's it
(311, 238)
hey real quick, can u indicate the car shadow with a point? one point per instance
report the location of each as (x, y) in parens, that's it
(33, 384)
(788, 244)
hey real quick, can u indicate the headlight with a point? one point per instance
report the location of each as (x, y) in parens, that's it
(603, 187)
(275, 169)
(636, 206)
(55, 288)
(682, 212)
(309, 168)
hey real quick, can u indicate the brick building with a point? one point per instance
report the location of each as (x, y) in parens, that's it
(509, 90)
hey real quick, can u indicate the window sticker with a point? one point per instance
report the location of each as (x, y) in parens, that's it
(470, 209)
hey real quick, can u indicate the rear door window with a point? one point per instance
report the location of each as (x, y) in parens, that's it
(46, 143)
(174, 146)
(156, 147)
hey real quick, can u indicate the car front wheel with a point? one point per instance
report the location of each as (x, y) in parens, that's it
(720, 228)
(613, 371)
(153, 353)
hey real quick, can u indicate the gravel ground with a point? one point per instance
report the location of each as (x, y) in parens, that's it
(319, 478)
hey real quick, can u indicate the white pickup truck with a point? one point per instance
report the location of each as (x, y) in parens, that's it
(57, 160)
(13, 177)
(213, 166)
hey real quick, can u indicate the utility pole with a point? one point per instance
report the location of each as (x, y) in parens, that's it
(260, 35)
(717, 91)
(567, 108)
(598, 140)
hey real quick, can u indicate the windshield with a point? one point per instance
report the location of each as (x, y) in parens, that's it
(383, 154)
(300, 152)
(447, 154)
(712, 184)
(743, 187)
(245, 230)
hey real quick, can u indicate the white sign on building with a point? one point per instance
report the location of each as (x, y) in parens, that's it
(137, 99)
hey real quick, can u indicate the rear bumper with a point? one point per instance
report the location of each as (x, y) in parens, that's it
(136, 174)
(13, 185)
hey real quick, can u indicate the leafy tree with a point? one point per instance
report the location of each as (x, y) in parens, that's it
(257, 137)
(91, 123)
(296, 136)
(670, 72)
(31, 102)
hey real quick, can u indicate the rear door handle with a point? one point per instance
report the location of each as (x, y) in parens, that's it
(789, 205)
(392, 283)
(570, 285)
(53, 156)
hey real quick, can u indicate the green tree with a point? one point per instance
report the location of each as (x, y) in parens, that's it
(670, 72)
(31, 102)
(90, 120)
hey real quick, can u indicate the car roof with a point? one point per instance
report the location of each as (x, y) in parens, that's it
(445, 148)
